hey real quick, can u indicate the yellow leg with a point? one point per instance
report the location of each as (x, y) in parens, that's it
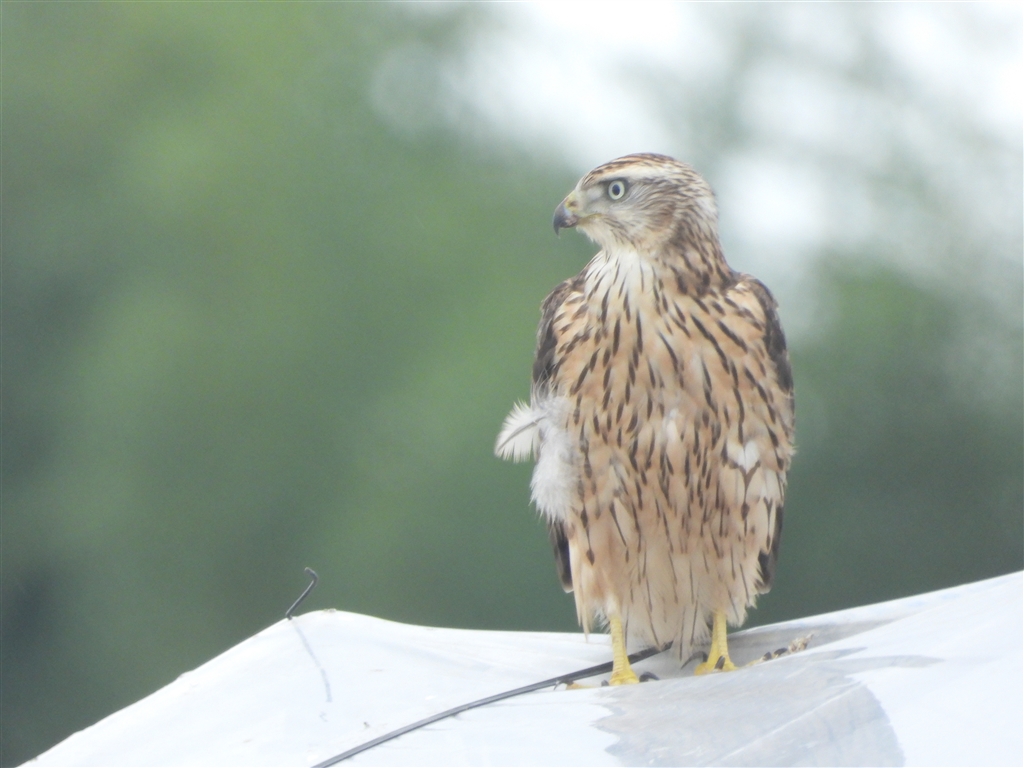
(622, 672)
(718, 656)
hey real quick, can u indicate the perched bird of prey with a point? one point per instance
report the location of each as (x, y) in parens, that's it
(660, 417)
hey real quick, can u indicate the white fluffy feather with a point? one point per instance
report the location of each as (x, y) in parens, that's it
(537, 430)
(554, 475)
(520, 434)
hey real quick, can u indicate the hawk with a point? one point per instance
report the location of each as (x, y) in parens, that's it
(660, 417)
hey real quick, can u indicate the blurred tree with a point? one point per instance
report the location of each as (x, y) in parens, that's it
(259, 313)
(244, 331)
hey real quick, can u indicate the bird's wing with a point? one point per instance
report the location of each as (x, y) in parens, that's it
(547, 366)
(520, 434)
(560, 547)
(766, 364)
(547, 360)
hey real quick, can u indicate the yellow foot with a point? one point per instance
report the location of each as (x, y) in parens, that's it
(623, 677)
(718, 655)
(622, 672)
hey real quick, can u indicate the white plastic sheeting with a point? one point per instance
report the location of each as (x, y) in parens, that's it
(929, 680)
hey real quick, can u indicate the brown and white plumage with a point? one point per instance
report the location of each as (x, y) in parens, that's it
(661, 413)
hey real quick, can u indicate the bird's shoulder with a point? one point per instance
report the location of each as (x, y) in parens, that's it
(560, 311)
(755, 315)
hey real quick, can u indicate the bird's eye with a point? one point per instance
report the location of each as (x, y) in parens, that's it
(617, 189)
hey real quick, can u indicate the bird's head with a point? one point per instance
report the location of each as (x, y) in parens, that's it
(648, 202)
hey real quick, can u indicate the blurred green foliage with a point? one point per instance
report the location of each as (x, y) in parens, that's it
(247, 328)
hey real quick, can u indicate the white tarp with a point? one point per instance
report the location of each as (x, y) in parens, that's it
(929, 680)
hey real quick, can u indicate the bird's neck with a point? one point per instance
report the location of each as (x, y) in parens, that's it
(696, 268)
(689, 267)
(693, 255)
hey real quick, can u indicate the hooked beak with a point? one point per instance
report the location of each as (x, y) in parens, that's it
(564, 217)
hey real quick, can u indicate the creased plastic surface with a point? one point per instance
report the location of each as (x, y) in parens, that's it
(929, 680)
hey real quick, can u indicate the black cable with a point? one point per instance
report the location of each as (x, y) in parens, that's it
(600, 669)
(305, 593)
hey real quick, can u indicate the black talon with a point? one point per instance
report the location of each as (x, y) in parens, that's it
(648, 676)
(720, 664)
